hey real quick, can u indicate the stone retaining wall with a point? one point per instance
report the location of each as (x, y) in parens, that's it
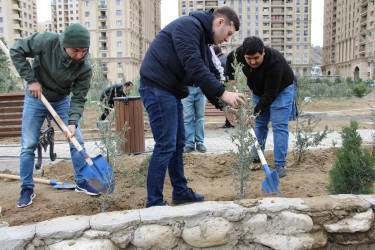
(327, 222)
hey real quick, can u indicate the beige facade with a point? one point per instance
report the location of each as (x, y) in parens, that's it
(17, 20)
(349, 35)
(282, 24)
(120, 30)
(45, 26)
(64, 12)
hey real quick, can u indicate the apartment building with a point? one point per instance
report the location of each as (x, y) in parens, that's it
(64, 12)
(120, 30)
(17, 20)
(349, 35)
(282, 24)
(45, 26)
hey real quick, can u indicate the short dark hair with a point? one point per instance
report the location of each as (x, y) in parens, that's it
(217, 50)
(129, 83)
(229, 15)
(252, 44)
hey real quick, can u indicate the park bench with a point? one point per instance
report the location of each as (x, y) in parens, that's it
(11, 107)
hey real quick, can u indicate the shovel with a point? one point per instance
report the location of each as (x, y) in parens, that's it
(271, 182)
(55, 184)
(96, 171)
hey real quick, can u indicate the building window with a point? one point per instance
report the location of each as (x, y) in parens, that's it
(87, 13)
(118, 2)
(118, 13)
(305, 54)
(1, 30)
(1, 19)
(119, 44)
(118, 33)
(87, 24)
(87, 4)
(119, 54)
(183, 12)
(119, 75)
(104, 55)
(118, 23)
(305, 17)
(183, 4)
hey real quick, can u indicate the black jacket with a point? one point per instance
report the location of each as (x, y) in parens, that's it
(267, 81)
(179, 54)
(115, 90)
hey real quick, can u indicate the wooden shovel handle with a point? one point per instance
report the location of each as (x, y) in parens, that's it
(259, 150)
(38, 180)
(65, 129)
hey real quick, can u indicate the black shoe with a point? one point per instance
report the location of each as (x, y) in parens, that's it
(227, 126)
(280, 171)
(27, 197)
(188, 149)
(201, 148)
(256, 160)
(188, 196)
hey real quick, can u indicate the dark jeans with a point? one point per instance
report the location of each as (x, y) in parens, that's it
(165, 113)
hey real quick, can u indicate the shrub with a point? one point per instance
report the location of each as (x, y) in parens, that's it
(353, 172)
(305, 137)
(359, 89)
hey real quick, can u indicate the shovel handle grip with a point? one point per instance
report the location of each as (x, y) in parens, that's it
(37, 180)
(65, 129)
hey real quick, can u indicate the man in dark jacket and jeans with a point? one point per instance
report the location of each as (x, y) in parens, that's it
(270, 78)
(179, 54)
(60, 67)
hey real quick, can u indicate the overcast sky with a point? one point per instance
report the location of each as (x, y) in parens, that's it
(169, 12)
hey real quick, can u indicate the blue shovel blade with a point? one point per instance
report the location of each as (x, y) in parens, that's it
(100, 175)
(65, 186)
(271, 182)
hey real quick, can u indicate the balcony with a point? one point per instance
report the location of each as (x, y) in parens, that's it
(105, 69)
(103, 38)
(277, 40)
(277, 18)
(103, 48)
(277, 26)
(102, 6)
(16, 7)
(103, 27)
(102, 17)
(277, 33)
(16, 17)
(281, 3)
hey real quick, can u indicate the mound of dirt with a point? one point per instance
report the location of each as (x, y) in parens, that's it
(208, 175)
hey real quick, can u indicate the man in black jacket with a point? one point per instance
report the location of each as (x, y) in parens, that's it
(178, 55)
(270, 78)
(106, 97)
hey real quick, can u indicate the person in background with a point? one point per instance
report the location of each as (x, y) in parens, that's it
(270, 78)
(194, 106)
(223, 60)
(177, 55)
(60, 67)
(106, 97)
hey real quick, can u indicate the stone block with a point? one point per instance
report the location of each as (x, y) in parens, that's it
(210, 232)
(154, 236)
(80, 244)
(360, 222)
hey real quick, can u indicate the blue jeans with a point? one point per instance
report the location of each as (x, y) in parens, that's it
(293, 113)
(194, 106)
(165, 113)
(34, 113)
(278, 114)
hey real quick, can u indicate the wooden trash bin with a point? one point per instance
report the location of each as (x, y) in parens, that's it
(11, 107)
(130, 110)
